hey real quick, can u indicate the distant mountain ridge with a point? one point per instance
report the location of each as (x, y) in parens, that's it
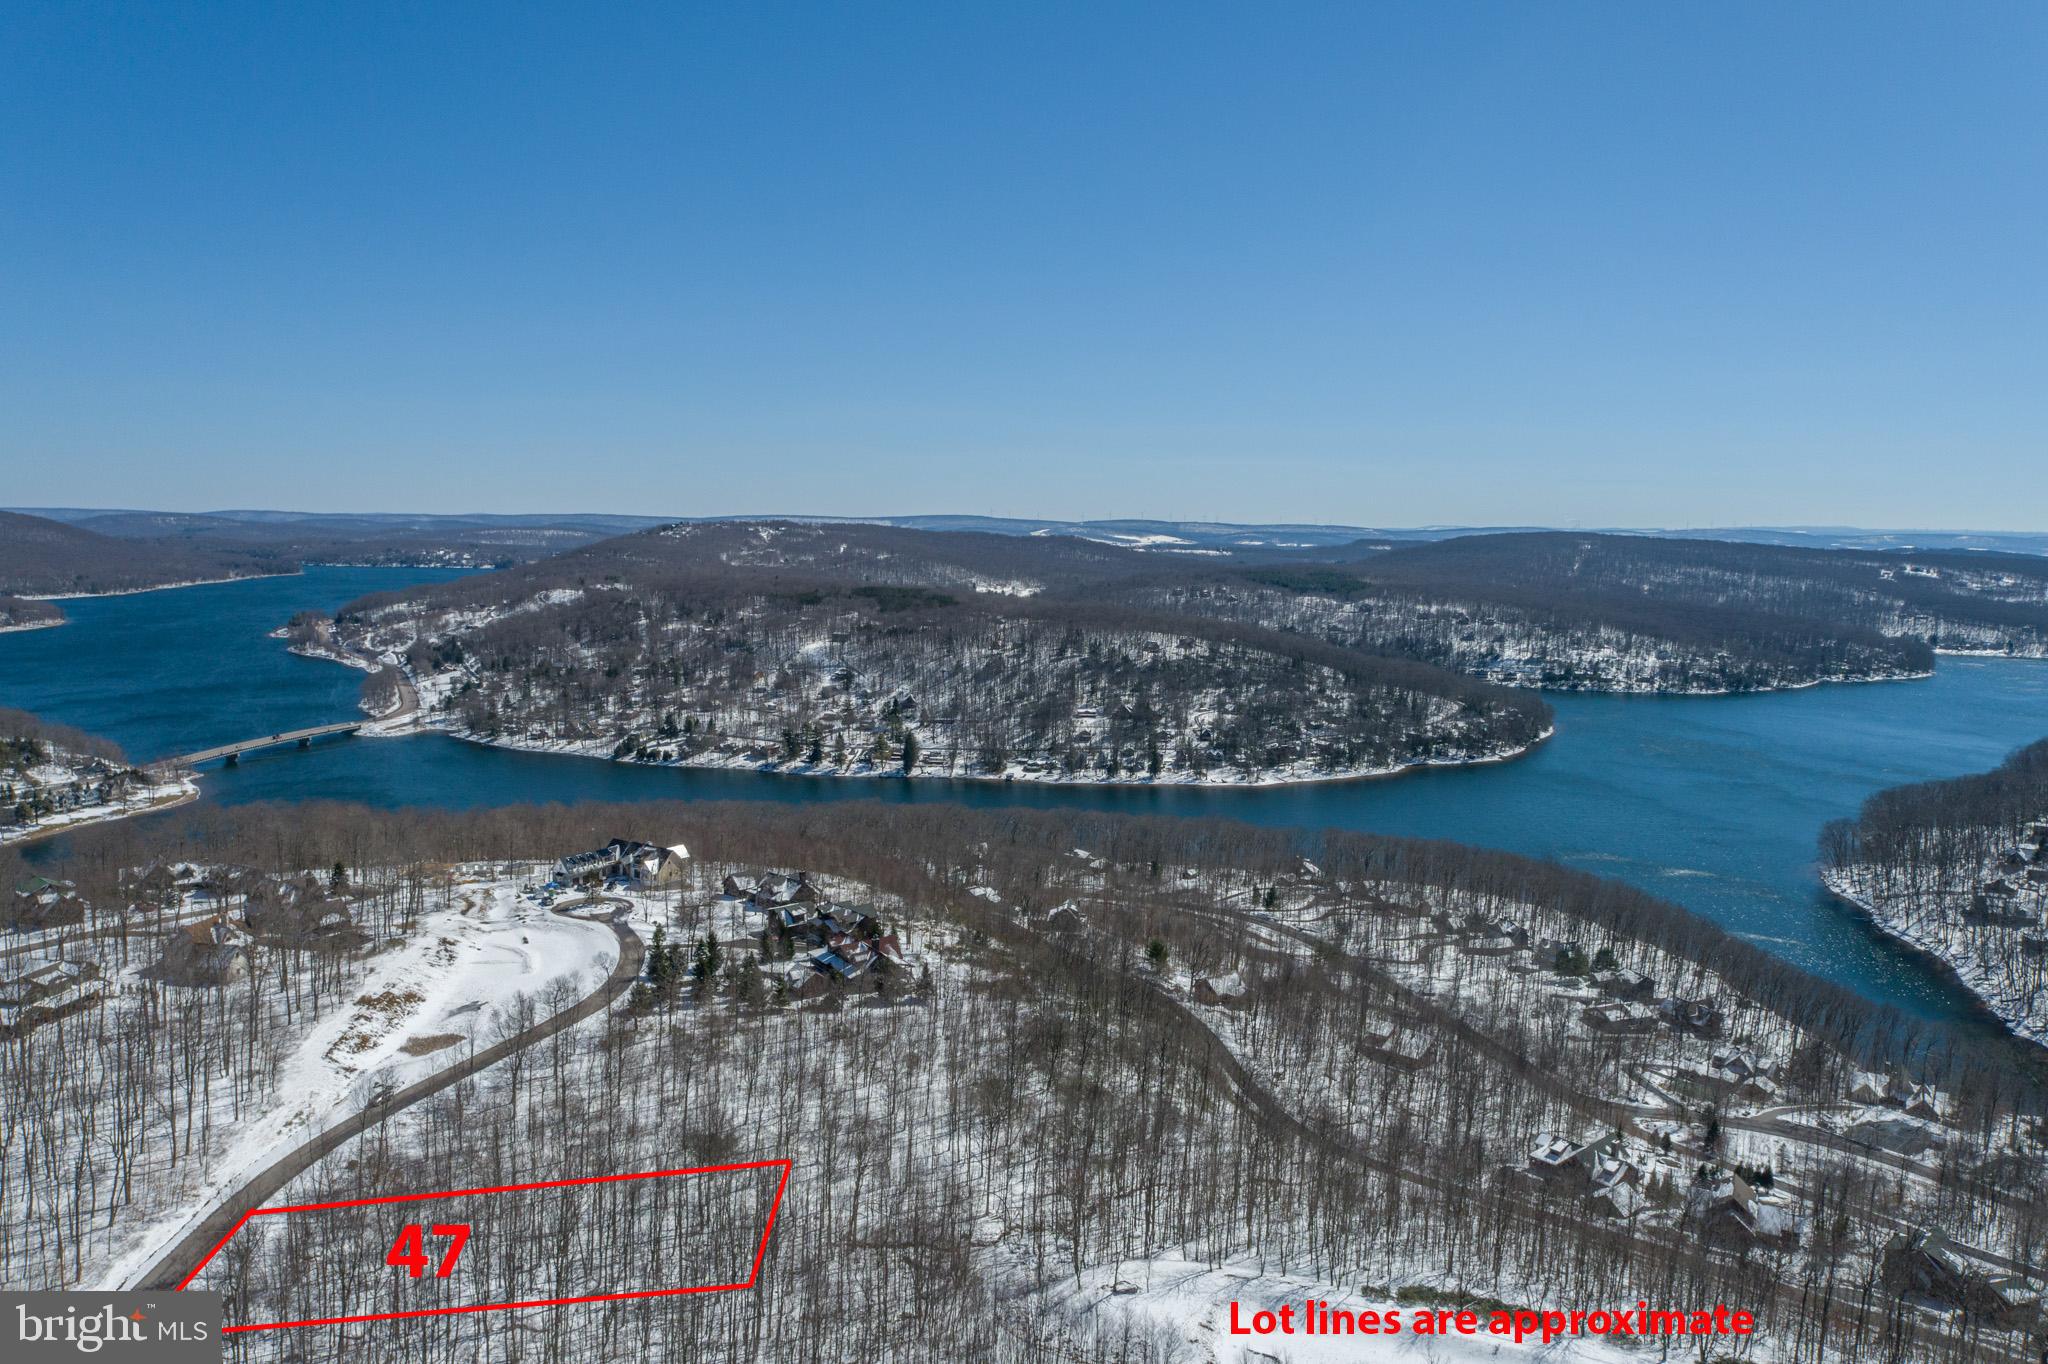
(45, 558)
(1249, 538)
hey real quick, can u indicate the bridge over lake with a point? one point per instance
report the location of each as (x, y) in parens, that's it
(301, 737)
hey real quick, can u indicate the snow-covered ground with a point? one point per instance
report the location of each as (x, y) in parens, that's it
(826, 694)
(147, 795)
(1291, 774)
(421, 1006)
(1985, 958)
(1183, 1308)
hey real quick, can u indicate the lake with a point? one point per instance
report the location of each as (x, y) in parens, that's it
(1714, 802)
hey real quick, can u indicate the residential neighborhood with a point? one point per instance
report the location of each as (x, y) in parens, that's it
(31, 995)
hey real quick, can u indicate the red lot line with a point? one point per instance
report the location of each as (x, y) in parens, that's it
(760, 1249)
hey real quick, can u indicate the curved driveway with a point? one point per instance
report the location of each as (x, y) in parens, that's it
(177, 1264)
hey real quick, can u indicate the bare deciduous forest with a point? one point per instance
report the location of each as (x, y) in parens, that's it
(1122, 1044)
(852, 648)
(1959, 868)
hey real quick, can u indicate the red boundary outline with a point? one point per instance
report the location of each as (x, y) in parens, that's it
(760, 1249)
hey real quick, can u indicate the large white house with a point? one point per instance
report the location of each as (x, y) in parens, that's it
(644, 862)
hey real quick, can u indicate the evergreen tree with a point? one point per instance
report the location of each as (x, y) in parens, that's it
(659, 964)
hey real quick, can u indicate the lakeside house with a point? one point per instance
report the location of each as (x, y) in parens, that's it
(772, 891)
(35, 996)
(1725, 1206)
(1620, 1016)
(1897, 1089)
(1923, 1262)
(1614, 1183)
(828, 945)
(41, 902)
(1623, 983)
(300, 913)
(1692, 1015)
(211, 951)
(1598, 1166)
(1601, 1169)
(625, 859)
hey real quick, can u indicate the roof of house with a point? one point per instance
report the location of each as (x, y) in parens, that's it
(1620, 1199)
(217, 931)
(60, 972)
(1620, 1011)
(1230, 986)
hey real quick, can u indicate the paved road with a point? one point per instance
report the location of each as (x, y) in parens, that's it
(1251, 1093)
(178, 1262)
(289, 736)
(408, 696)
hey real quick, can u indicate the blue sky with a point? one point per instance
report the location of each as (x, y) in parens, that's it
(1672, 264)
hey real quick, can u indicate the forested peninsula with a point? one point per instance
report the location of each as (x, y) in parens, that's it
(849, 649)
(868, 651)
(1959, 869)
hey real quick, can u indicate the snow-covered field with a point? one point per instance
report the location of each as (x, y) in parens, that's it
(1183, 1307)
(146, 794)
(419, 1007)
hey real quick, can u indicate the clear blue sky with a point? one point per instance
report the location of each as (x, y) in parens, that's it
(1647, 264)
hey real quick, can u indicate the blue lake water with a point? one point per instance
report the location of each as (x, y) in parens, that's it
(1713, 802)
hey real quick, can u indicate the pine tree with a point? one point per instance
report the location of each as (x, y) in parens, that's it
(659, 965)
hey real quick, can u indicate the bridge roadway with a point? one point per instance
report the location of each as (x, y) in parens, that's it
(267, 741)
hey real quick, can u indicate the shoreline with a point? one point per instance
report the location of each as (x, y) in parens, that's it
(415, 721)
(1934, 962)
(34, 624)
(35, 833)
(1991, 653)
(158, 587)
(773, 768)
(1702, 693)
